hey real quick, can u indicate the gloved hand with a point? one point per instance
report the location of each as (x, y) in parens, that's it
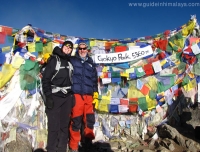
(95, 99)
(49, 102)
(96, 103)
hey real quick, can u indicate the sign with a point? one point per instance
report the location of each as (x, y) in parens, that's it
(130, 55)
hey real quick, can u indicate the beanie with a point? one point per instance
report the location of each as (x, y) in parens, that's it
(68, 43)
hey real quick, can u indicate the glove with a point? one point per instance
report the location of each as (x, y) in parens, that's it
(96, 103)
(49, 102)
(95, 99)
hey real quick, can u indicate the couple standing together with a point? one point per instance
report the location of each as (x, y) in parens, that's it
(69, 95)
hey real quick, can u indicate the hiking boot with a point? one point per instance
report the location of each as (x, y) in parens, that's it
(87, 145)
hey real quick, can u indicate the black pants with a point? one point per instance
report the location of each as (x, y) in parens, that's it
(58, 123)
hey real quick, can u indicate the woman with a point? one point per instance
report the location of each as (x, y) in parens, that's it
(56, 84)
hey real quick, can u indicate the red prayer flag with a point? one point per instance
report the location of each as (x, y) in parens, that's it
(2, 37)
(7, 30)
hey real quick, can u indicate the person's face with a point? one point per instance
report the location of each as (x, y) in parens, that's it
(82, 50)
(67, 49)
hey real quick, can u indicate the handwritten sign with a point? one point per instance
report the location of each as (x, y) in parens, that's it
(130, 55)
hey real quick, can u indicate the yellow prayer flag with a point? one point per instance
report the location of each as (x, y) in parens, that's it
(189, 28)
(105, 69)
(92, 43)
(131, 44)
(106, 99)
(99, 43)
(17, 61)
(37, 39)
(103, 104)
(190, 85)
(157, 38)
(31, 47)
(151, 103)
(134, 93)
(179, 42)
(130, 70)
(7, 48)
(152, 82)
(48, 48)
(6, 74)
(103, 107)
(124, 74)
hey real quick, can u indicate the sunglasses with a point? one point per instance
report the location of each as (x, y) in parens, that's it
(68, 45)
(83, 48)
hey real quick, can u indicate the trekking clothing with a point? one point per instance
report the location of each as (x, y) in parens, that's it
(83, 110)
(84, 85)
(56, 86)
(58, 123)
(84, 76)
(61, 79)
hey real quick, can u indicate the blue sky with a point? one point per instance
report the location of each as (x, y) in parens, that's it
(96, 18)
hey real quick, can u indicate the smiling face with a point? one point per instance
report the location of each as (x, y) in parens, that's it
(82, 50)
(67, 49)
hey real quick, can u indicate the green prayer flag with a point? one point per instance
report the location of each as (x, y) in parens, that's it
(142, 103)
(139, 72)
(186, 80)
(39, 46)
(152, 94)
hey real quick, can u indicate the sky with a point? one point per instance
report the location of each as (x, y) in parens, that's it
(108, 19)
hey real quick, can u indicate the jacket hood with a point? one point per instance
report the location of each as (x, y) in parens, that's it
(58, 51)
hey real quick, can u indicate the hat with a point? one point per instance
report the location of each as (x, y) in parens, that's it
(68, 43)
(82, 43)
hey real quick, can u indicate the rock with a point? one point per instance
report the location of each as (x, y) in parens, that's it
(171, 147)
(20, 145)
(152, 144)
(166, 131)
(146, 137)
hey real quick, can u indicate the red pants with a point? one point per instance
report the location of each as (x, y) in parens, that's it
(83, 110)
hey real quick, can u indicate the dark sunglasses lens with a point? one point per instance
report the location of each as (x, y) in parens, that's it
(82, 48)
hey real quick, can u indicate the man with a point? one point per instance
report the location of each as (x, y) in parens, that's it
(56, 84)
(84, 87)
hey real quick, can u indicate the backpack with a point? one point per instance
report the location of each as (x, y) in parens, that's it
(57, 69)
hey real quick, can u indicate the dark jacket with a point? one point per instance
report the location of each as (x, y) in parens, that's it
(84, 76)
(62, 77)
